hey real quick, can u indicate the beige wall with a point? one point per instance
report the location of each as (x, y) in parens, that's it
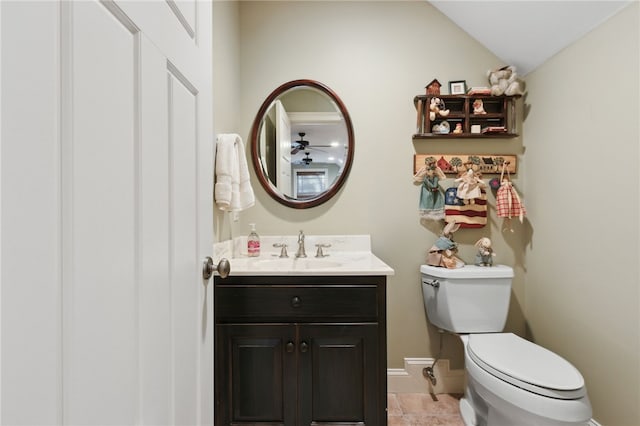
(226, 79)
(582, 185)
(226, 82)
(377, 56)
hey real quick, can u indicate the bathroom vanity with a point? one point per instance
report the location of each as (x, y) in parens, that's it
(302, 341)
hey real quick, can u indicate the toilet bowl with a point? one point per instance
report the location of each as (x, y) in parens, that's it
(510, 381)
(522, 383)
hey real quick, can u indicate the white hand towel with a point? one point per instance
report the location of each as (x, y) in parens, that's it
(233, 191)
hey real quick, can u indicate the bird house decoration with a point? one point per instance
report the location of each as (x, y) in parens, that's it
(433, 88)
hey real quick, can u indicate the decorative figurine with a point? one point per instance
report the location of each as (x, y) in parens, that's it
(478, 107)
(485, 254)
(458, 128)
(443, 252)
(433, 88)
(504, 81)
(442, 128)
(437, 108)
(469, 186)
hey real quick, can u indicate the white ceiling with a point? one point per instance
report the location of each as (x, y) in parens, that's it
(526, 33)
(523, 33)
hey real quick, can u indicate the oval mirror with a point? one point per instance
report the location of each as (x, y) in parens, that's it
(302, 144)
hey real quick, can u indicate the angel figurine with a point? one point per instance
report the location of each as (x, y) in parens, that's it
(469, 187)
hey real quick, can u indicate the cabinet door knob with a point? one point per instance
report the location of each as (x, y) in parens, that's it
(289, 347)
(304, 347)
(296, 302)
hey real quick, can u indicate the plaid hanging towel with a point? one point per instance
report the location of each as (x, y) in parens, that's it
(472, 214)
(508, 202)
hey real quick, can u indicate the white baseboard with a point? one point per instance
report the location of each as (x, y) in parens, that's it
(594, 423)
(410, 379)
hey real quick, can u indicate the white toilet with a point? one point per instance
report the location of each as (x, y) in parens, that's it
(510, 381)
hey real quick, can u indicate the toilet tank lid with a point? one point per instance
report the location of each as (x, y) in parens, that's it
(468, 271)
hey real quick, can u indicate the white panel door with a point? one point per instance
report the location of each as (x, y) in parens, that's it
(283, 150)
(109, 160)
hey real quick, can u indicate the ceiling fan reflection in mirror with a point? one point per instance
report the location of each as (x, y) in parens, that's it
(302, 144)
(306, 160)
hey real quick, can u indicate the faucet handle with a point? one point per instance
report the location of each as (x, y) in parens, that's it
(283, 247)
(319, 252)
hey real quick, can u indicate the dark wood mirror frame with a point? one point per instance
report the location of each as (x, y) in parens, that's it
(255, 155)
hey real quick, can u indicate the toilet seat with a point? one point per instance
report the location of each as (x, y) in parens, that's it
(526, 365)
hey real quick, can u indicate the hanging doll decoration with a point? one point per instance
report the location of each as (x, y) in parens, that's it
(508, 203)
(469, 186)
(431, 195)
(466, 204)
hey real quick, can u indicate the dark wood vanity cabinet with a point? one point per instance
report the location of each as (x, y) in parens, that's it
(294, 350)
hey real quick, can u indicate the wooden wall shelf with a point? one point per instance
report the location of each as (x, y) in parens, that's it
(499, 114)
(463, 135)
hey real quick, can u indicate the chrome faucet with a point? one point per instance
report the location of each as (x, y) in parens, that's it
(301, 252)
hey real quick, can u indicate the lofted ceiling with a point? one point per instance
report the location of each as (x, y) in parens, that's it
(527, 33)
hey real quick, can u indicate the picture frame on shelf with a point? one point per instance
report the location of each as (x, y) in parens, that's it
(458, 87)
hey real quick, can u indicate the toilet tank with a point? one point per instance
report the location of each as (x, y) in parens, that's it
(471, 299)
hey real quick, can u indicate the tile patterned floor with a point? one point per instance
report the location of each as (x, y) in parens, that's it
(419, 409)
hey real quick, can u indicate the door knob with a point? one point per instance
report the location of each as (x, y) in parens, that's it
(304, 347)
(290, 347)
(208, 267)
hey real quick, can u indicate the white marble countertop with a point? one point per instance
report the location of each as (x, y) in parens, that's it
(347, 255)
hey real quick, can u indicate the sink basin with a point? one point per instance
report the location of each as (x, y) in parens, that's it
(317, 263)
(297, 264)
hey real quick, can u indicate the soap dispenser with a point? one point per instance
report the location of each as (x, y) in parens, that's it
(253, 242)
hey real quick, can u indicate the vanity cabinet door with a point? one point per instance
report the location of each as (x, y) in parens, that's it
(256, 373)
(288, 374)
(339, 380)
